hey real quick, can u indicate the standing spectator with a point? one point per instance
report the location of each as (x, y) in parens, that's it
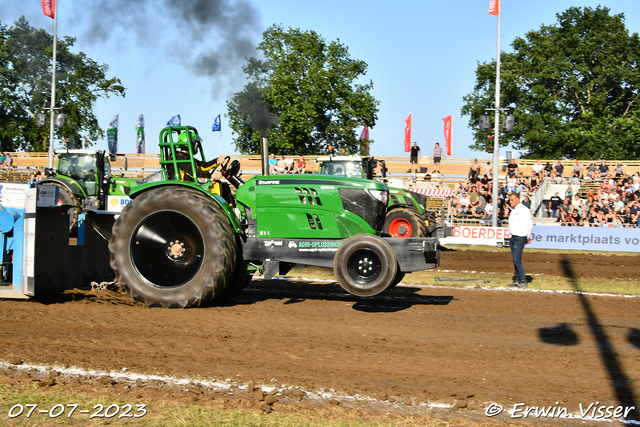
(559, 169)
(301, 165)
(554, 205)
(512, 168)
(288, 164)
(520, 226)
(413, 160)
(538, 167)
(527, 201)
(474, 169)
(438, 154)
(577, 170)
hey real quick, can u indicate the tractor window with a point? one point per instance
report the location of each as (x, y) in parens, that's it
(81, 168)
(353, 170)
(349, 169)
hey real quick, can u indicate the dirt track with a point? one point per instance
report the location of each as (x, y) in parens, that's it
(410, 345)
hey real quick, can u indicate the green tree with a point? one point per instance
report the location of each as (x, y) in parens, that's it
(573, 86)
(25, 88)
(303, 94)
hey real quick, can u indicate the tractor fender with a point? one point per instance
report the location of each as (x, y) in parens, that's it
(73, 187)
(235, 222)
(398, 206)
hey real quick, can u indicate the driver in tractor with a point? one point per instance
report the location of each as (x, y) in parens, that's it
(203, 169)
(74, 171)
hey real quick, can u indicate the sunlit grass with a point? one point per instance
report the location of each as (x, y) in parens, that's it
(168, 414)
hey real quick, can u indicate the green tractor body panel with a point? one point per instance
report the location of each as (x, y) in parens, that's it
(204, 190)
(72, 184)
(357, 167)
(312, 206)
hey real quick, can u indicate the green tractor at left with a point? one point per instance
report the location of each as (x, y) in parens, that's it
(85, 182)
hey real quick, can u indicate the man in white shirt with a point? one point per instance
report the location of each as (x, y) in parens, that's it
(538, 167)
(520, 226)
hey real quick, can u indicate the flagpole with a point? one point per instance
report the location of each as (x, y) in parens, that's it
(53, 86)
(496, 130)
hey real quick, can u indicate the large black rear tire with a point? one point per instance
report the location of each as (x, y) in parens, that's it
(404, 222)
(365, 265)
(65, 197)
(172, 247)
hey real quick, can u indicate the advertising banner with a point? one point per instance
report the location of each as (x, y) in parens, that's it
(463, 235)
(586, 238)
(552, 237)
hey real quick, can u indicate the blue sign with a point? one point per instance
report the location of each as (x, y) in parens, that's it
(585, 238)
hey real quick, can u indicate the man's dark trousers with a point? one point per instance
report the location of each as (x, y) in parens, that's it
(517, 246)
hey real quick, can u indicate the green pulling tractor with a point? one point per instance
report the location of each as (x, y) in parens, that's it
(85, 182)
(406, 214)
(184, 242)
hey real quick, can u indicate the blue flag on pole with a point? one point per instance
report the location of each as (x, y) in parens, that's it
(217, 126)
(174, 121)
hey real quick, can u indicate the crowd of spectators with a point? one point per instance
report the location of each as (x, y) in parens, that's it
(287, 165)
(616, 203)
(6, 161)
(475, 196)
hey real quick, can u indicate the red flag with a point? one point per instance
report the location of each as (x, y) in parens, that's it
(365, 133)
(447, 134)
(49, 8)
(494, 7)
(364, 138)
(407, 135)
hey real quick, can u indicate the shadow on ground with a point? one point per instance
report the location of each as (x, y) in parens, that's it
(391, 300)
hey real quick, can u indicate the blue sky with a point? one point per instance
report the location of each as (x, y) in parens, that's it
(421, 55)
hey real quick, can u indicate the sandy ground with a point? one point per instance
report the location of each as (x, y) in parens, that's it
(301, 344)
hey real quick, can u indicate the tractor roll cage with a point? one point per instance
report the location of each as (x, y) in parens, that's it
(168, 146)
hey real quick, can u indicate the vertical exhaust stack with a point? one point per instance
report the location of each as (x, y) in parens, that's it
(264, 150)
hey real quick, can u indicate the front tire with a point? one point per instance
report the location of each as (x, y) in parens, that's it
(365, 265)
(404, 222)
(173, 247)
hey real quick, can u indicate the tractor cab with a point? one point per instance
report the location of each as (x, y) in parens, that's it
(80, 166)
